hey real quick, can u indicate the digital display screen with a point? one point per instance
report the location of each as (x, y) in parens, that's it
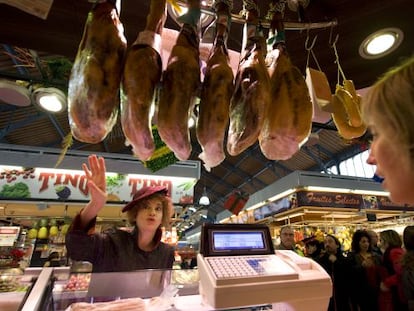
(235, 240)
(238, 240)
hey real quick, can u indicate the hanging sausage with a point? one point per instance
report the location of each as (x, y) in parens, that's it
(94, 83)
(180, 83)
(142, 74)
(216, 92)
(252, 86)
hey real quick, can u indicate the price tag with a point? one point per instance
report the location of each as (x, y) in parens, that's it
(8, 235)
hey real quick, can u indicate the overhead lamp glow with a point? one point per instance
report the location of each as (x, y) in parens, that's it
(204, 200)
(50, 99)
(381, 43)
(205, 18)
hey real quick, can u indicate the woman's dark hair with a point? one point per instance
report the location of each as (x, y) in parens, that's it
(338, 244)
(318, 244)
(357, 237)
(408, 258)
(408, 237)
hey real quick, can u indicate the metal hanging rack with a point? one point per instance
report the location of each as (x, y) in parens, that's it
(239, 19)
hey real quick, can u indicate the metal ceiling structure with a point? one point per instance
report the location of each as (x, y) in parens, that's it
(41, 52)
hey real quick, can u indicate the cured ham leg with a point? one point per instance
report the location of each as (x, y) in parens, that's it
(216, 93)
(142, 73)
(93, 93)
(252, 89)
(180, 83)
(288, 120)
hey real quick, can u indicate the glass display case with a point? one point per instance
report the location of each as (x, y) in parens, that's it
(15, 287)
(61, 289)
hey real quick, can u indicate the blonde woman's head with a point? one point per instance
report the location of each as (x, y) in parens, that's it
(389, 108)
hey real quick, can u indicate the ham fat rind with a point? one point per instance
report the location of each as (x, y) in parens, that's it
(180, 83)
(93, 93)
(142, 73)
(216, 93)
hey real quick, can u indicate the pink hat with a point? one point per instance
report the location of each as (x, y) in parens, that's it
(143, 193)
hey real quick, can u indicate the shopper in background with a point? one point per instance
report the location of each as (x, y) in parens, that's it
(287, 240)
(408, 266)
(391, 296)
(338, 268)
(119, 250)
(313, 248)
(365, 273)
(374, 242)
(388, 110)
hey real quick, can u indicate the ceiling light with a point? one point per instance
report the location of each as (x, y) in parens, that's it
(381, 43)
(14, 94)
(50, 99)
(206, 16)
(204, 200)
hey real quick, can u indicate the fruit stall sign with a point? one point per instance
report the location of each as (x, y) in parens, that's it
(8, 235)
(71, 185)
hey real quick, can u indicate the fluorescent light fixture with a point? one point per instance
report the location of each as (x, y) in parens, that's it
(339, 215)
(345, 190)
(293, 215)
(50, 99)
(381, 43)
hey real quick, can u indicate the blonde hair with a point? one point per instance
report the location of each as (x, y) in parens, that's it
(389, 105)
(167, 209)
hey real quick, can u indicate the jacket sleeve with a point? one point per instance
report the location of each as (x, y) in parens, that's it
(81, 243)
(396, 255)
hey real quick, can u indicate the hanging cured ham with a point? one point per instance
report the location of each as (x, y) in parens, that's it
(94, 83)
(142, 73)
(180, 83)
(252, 87)
(216, 93)
(288, 120)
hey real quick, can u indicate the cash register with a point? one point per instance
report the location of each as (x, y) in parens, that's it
(238, 267)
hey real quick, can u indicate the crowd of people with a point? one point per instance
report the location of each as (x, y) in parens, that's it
(376, 274)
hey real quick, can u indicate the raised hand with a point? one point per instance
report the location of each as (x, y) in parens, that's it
(95, 174)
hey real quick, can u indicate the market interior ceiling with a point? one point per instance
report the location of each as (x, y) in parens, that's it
(39, 51)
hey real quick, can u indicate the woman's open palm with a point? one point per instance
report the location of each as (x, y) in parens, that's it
(95, 174)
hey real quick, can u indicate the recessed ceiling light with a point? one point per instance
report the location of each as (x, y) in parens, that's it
(14, 94)
(381, 43)
(50, 99)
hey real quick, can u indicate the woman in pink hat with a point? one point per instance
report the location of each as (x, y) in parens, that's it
(119, 250)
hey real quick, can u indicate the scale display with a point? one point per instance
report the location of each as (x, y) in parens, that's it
(226, 240)
(235, 240)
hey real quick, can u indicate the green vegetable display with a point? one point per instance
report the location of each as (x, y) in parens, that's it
(18, 190)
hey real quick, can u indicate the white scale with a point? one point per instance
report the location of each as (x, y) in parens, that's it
(238, 267)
